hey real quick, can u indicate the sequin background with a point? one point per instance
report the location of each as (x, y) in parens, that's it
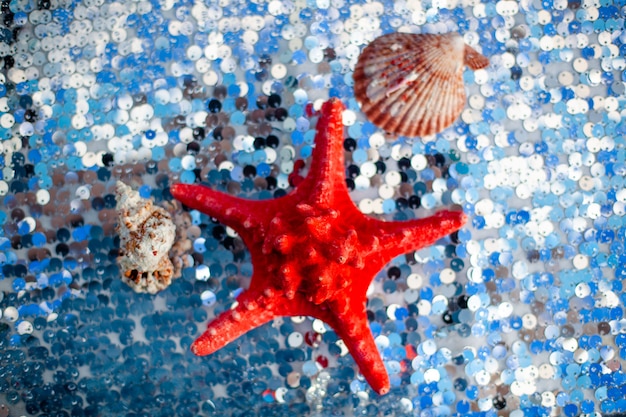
(520, 313)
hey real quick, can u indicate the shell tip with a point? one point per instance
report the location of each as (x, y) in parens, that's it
(474, 59)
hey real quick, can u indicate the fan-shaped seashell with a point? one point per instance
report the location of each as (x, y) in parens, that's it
(412, 84)
(146, 235)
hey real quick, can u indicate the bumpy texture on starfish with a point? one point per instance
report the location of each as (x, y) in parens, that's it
(314, 253)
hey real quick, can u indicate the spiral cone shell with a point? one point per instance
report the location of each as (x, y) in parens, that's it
(146, 236)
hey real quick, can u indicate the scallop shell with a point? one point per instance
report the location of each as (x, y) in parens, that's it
(146, 236)
(412, 84)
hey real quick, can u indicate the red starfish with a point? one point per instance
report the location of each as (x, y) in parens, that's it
(314, 253)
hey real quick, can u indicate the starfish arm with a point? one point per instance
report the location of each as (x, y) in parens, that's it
(353, 329)
(250, 312)
(326, 174)
(402, 237)
(238, 213)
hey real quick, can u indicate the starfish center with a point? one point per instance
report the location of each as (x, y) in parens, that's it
(321, 246)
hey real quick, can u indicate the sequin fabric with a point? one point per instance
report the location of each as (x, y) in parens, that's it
(520, 312)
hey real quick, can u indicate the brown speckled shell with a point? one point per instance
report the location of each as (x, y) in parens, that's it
(412, 84)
